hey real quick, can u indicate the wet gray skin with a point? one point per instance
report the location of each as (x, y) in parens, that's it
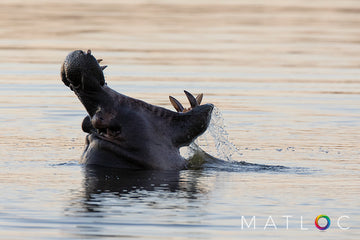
(124, 132)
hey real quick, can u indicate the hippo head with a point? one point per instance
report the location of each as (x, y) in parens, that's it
(124, 132)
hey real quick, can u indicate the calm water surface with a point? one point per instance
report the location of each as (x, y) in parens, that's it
(284, 74)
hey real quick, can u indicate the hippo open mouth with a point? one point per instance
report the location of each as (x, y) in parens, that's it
(129, 133)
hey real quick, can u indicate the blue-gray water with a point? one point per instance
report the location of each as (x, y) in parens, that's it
(284, 74)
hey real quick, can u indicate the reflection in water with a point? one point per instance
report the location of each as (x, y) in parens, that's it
(100, 184)
(138, 202)
(123, 181)
(139, 199)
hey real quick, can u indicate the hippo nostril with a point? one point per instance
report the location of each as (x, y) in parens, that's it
(74, 87)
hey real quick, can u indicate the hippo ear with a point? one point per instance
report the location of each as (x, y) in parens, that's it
(87, 126)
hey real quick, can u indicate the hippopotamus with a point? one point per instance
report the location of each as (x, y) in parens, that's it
(125, 132)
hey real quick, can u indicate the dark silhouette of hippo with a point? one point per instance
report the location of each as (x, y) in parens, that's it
(129, 133)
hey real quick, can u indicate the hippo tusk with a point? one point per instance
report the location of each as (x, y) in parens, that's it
(194, 102)
(176, 104)
(199, 98)
(192, 99)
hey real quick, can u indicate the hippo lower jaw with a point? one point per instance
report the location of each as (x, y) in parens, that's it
(104, 152)
(125, 132)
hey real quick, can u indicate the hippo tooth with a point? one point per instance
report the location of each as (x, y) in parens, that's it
(199, 98)
(99, 60)
(88, 51)
(192, 99)
(176, 104)
(103, 67)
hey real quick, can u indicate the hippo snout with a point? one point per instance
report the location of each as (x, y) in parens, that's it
(81, 71)
(205, 115)
(192, 124)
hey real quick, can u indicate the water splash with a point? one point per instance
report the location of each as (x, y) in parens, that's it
(218, 137)
(220, 152)
(202, 160)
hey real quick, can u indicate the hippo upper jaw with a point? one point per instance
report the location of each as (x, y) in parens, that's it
(125, 132)
(81, 71)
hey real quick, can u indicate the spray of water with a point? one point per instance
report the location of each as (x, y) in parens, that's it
(215, 141)
(220, 152)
